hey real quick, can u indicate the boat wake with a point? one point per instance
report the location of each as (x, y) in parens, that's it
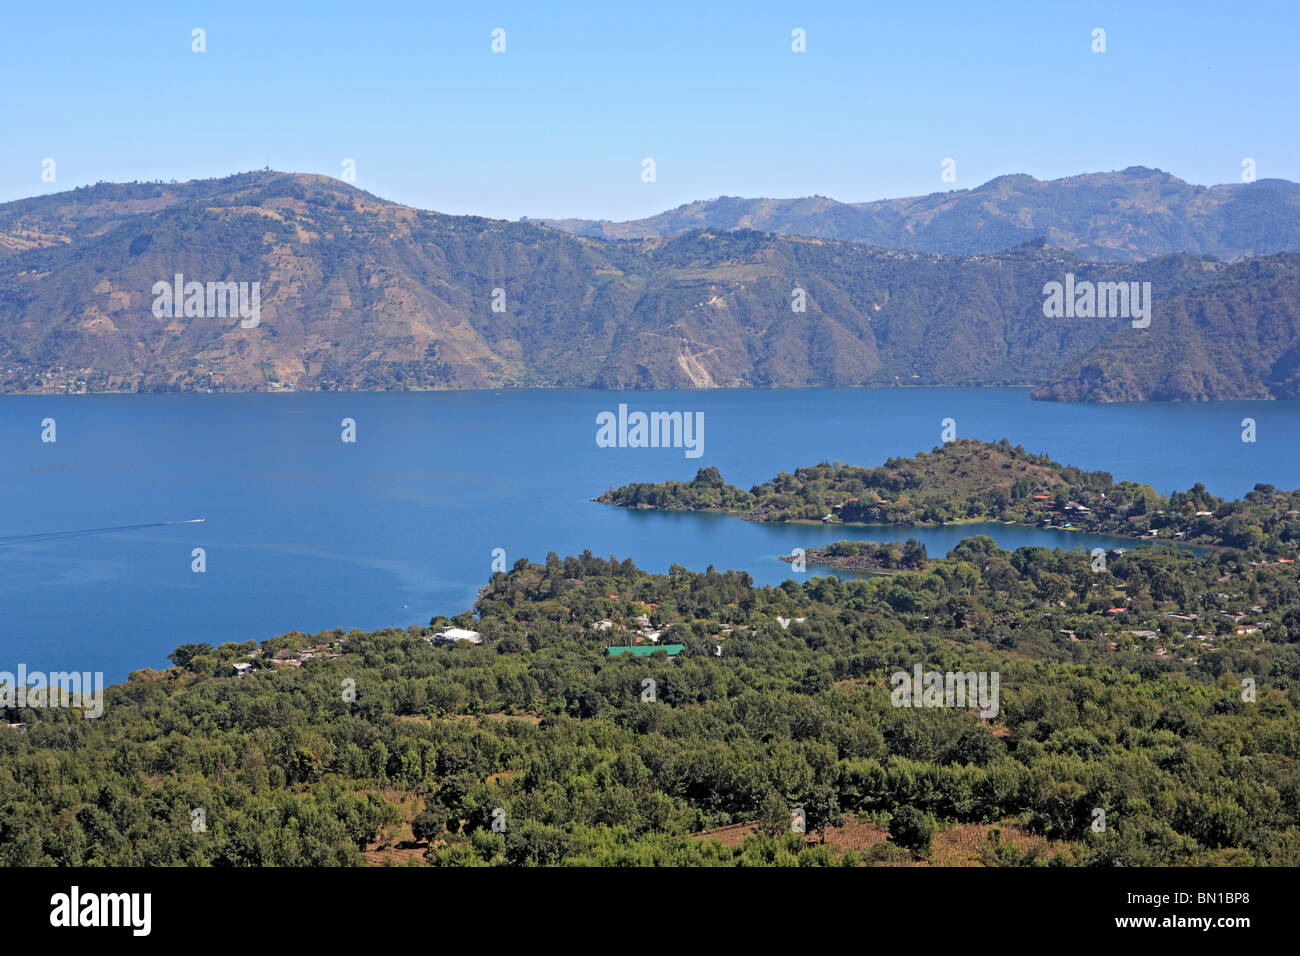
(12, 539)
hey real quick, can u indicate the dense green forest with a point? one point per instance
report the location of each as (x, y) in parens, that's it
(966, 479)
(908, 555)
(1177, 720)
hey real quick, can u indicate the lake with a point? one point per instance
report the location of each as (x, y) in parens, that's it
(306, 531)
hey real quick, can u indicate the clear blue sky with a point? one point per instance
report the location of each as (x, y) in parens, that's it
(559, 123)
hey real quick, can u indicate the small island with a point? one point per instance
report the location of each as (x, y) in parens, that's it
(865, 556)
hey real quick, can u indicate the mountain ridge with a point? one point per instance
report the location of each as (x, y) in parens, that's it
(360, 293)
(1110, 217)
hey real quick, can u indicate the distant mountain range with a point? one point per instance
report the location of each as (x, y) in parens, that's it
(360, 293)
(1127, 216)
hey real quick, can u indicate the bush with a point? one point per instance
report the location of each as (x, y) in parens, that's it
(912, 829)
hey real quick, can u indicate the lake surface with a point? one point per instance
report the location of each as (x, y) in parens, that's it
(306, 531)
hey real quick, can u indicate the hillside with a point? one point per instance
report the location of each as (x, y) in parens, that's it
(1126, 216)
(1236, 337)
(359, 293)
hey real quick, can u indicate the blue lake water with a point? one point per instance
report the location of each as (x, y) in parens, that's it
(306, 531)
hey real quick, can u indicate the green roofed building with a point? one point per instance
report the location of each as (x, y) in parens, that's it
(645, 650)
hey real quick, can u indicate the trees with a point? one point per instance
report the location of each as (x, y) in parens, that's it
(554, 732)
(822, 809)
(912, 829)
(185, 654)
(536, 844)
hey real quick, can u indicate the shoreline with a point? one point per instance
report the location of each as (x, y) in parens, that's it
(812, 522)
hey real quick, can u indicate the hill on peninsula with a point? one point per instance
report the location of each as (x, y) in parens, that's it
(965, 480)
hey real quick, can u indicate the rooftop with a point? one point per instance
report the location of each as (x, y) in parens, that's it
(644, 651)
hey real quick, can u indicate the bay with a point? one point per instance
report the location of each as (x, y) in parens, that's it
(303, 530)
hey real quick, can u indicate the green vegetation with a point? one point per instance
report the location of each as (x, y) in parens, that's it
(540, 732)
(866, 556)
(971, 480)
(705, 492)
(912, 829)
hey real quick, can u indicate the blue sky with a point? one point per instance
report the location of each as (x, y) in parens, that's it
(558, 125)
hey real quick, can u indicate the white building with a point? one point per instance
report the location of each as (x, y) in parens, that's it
(450, 635)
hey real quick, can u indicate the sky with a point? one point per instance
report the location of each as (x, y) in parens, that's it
(559, 124)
